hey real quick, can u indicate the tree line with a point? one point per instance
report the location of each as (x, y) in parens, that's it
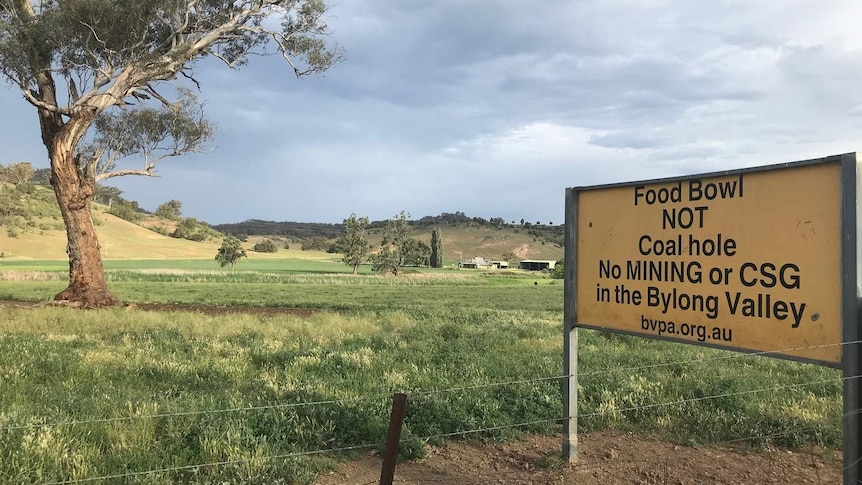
(397, 249)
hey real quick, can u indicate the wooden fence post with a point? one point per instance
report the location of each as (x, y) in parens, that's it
(393, 437)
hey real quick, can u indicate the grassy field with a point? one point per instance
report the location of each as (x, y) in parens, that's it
(96, 393)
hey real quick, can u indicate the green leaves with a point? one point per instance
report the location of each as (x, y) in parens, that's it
(230, 252)
(353, 242)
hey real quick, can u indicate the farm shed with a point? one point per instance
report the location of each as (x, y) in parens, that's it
(475, 263)
(536, 265)
(479, 262)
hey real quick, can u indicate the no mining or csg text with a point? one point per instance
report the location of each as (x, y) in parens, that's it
(748, 260)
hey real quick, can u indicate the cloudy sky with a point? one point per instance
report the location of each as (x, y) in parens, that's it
(494, 107)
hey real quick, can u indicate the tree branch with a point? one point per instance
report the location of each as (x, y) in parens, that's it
(148, 172)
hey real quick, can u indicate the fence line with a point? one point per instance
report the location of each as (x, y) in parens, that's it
(731, 356)
(465, 432)
(186, 413)
(220, 463)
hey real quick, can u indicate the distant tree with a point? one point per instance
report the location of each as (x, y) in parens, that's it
(497, 222)
(286, 244)
(191, 229)
(436, 248)
(126, 210)
(353, 242)
(522, 221)
(509, 256)
(16, 173)
(415, 253)
(397, 231)
(559, 270)
(42, 176)
(385, 261)
(317, 243)
(106, 194)
(171, 210)
(265, 246)
(230, 252)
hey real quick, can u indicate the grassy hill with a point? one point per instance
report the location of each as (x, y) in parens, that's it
(469, 240)
(35, 231)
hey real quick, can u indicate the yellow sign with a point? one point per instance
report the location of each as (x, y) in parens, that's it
(748, 261)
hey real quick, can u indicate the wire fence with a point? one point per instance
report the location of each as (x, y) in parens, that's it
(581, 466)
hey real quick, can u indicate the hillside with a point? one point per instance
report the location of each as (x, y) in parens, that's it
(33, 229)
(465, 241)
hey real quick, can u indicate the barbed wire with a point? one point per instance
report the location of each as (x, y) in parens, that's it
(465, 432)
(730, 356)
(188, 413)
(417, 393)
(219, 463)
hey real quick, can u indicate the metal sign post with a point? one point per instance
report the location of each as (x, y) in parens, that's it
(851, 195)
(762, 260)
(570, 331)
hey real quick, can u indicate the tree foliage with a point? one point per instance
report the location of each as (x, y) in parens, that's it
(265, 246)
(397, 231)
(436, 257)
(317, 243)
(126, 210)
(230, 252)
(559, 271)
(415, 253)
(295, 230)
(171, 210)
(194, 230)
(169, 130)
(353, 242)
(385, 261)
(106, 194)
(16, 173)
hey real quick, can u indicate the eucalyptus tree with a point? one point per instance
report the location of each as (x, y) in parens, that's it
(353, 242)
(230, 252)
(396, 232)
(116, 66)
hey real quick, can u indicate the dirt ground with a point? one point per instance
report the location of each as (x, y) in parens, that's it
(605, 458)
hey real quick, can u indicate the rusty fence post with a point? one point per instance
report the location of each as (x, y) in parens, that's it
(393, 437)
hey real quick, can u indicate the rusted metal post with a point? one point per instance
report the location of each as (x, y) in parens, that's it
(393, 437)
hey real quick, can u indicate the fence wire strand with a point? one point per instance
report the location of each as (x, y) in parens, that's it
(190, 413)
(456, 433)
(213, 464)
(732, 356)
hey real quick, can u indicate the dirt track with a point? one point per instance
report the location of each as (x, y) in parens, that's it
(605, 458)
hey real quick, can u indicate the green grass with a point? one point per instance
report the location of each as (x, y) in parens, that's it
(273, 265)
(471, 352)
(340, 296)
